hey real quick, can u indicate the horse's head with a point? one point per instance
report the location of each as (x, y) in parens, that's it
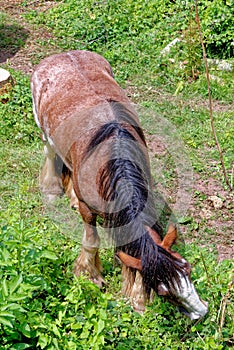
(170, 276)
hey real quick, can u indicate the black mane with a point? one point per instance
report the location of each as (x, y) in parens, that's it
(159, 266)
(123, 115)
(124, 184)
(124, 181)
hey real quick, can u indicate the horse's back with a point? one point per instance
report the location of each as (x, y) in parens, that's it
(67, 84)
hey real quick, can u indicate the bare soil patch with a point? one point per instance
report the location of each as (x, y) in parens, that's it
(211, 209)
(24, 57)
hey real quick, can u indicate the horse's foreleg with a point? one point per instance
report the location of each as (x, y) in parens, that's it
(128, 278)
(138, 295)
(88, 262)
(50, 181)
(134, 289)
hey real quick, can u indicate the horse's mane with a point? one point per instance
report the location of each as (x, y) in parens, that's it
(124, 184)
(158, 266)
(123, 115)
(124, 181)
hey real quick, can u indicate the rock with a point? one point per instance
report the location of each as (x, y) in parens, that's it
(220, 64)
(216, 202)
(6, 83)
(205, 214)
(5, 77)
(167, 48)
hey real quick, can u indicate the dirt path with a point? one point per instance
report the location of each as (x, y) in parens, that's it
(215, 222)
(210, 213)
(25, 44)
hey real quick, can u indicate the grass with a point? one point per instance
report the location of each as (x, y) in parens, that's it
(42, 305)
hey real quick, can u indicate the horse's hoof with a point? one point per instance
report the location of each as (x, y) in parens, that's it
(139, 310)
(99, 281)
(74, 205)
(50, 198)
(94, 275)
(138, 307)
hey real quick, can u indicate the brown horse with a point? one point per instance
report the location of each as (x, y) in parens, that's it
(88, 122)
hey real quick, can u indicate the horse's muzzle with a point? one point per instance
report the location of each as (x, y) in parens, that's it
(195, 315)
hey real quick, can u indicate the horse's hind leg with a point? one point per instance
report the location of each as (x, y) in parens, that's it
(50, 179)
(68, 187)
(88, 262)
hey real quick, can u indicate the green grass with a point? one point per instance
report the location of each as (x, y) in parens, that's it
(42, 305)
(12, 35)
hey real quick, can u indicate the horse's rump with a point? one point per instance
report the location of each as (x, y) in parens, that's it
(69, 83)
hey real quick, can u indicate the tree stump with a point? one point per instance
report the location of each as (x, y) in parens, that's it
(6, 83)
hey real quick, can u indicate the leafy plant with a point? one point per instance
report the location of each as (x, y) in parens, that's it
(218, 26)
(42, 305)
(16, 115)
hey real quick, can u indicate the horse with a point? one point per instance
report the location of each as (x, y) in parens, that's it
(89, 124)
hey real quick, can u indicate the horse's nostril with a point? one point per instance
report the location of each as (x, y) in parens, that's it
(183, 310)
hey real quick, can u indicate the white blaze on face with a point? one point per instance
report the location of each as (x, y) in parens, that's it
(189, 300)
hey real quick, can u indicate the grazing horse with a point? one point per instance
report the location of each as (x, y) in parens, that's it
(89, 124)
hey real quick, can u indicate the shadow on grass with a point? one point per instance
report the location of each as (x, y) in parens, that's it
(12, 38)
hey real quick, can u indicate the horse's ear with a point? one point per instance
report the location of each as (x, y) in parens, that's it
(170, 237)
(130, 261)
(154, 235)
